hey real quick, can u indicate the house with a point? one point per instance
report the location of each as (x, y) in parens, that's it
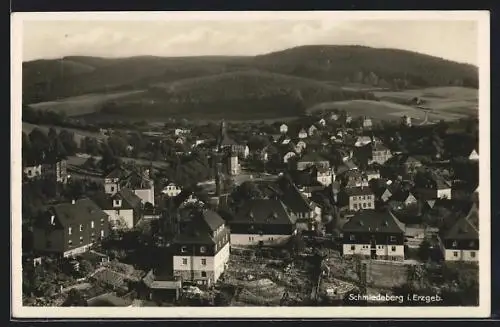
(172, 190)
(181, 132)
(112, 180)
(410, 163)
(304, 210)
(224, 142)
(322, 122)
(353, 178)
(69, 228)
(434, 187)
(161, 285)
(402, 199)
(300, 146)
(180, 140)
(375, 235)
(325, 176)
(283, 128)
(302, 134)
(406, 121)
(142, 186)
(263, 222)
(312, 159)
(334, 116)
(33, 171)
(312, 130)
(367, 123)
(380, 153)
(357, 198)
(348, 119)
(474, 156)
(124, 209)
(233, 165)
(200, 247)
(460, 242)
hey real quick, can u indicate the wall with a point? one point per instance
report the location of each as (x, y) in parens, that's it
(118, 215)
(33, 171)
(445, 193)
(369, 203)
(381, 250)
(111, 188)
(76, 251)
(253, 239)
(462, 255)
(40, 238)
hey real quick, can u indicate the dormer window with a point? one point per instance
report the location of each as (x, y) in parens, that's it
(92, 224)
(203, 249)
(81, 228)
(183, 249)
(392, 238)
(69, 230)
(454, 244)
(352, 237)
(117, 203)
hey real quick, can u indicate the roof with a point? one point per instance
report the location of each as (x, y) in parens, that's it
(225, 140)
(118, 172)
(264, 211)
(293, 199)
(198, 227)
(82, 210)
(374, 221)
(355, 191)
(466, 227)
(129, 199)
(136, 181)
(312, 157)
(377, 146)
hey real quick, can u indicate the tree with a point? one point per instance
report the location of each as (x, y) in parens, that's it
(424, 250)
(86, 267)
(75, 299)
(222, 299)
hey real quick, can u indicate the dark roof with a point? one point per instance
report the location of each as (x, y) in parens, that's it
(264, 211)
(293, 199)
(377, 146)
(465, 227)
(118, 172)
(136, 181)
(129, 199)
(374, 221)
(82, 210)
(312, 157)
(198, 227)
(354, 191)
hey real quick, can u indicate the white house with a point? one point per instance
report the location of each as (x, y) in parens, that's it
(288, 156)
(283, 128)
(171, 190)
(474, 155)
(302, 134)
(33, 171)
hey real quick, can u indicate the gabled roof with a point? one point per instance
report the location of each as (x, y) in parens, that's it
(118, 172)
(355, 191)
(264, 211)
(466, 227)
(83, 210)
(293, 199)
(136, 181)
(374, 221)
(198, 227)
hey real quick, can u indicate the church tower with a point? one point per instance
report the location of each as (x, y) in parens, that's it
(233, 164)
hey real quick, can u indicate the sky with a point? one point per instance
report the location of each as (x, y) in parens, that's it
(455, 40)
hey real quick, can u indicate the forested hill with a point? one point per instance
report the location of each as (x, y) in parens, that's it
(45, 80)
(369, 65)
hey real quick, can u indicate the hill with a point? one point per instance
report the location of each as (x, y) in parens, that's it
(253, 93)
(340, 63)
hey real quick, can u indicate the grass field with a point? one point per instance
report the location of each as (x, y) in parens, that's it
(447, 103)
(451, 100)
(80, 105)
(78, 134)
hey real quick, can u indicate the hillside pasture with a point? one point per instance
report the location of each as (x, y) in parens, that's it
(83, 104)
(449, 100)
(79, 135)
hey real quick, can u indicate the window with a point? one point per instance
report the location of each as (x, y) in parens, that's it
(352, 237)
(203, 274)
(183, 249)
(392, 238)
(81, 228)
(250, 238)
(70, 242)
(81, 239)
(455, 254)
(355, 206)
(102, 233)
(364, 205)
(203, 262)
(203, 249)
(352, 247)
(112, 188)
(184, 261)
(393, 248)
(454, 244)
(271, 239)
(92, 224)
(69, 230)
(472, 254)
(102, 221)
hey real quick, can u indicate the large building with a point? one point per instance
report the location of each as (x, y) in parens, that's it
(312, 159)
(200, 247)
(375, 235)
(380, 153)
(225, 143)
(264, 222)
(357, 198)
(460, 242)
(67, 229)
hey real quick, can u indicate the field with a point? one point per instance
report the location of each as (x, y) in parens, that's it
(445, 100)
(447, 103)
(78, 134)
(83, 104)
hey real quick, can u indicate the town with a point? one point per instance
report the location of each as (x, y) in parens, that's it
(325, 209)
